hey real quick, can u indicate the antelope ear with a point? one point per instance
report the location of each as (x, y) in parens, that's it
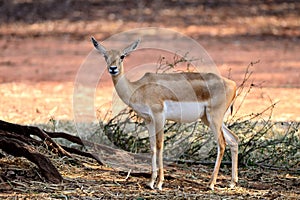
(131, 47)
(99, 47)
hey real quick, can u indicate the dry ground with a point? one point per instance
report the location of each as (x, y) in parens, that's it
(90, 181)
(41, 53)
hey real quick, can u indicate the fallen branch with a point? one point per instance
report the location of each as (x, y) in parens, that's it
(20, 138)
(20, 149)
(26, 131)
(17, 140)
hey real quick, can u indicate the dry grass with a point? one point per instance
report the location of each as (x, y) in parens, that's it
(87, 180)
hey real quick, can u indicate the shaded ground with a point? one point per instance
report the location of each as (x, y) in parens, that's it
(188, 182)
(43, 45)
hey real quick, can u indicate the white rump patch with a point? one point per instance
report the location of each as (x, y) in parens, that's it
(184, 111)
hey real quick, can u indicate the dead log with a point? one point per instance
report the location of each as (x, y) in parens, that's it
(82, 153)
(20, 136)
(26, 131)
(20, 149)
(97, 147)
(66, 136)
(17, 140)
(23, 133)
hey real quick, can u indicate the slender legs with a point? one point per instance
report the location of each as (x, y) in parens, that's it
(221, 148)
(160, 147)
(156, 136)
(232, 141)
(152, 137)
(222, 133)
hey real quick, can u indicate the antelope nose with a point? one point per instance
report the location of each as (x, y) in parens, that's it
(113, 70)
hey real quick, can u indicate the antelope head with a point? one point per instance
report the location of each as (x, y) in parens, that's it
(114, 59)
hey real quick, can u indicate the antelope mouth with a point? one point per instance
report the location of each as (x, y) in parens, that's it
(113, 70)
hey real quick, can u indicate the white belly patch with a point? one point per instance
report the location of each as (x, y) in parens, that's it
(184, 111)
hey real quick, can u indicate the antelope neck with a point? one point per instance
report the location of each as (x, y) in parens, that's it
(123, 87)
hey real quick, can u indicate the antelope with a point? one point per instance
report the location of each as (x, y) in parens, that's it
(181, 97)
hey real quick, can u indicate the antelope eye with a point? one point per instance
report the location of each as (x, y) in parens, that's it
(122, 57)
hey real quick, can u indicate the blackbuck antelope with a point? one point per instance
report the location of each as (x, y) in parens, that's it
(182, 97)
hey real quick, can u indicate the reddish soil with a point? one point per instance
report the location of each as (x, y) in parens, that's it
(41, 52)
(37, 75)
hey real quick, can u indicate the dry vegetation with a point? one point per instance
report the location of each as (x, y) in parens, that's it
(87, 180)
(32, 89)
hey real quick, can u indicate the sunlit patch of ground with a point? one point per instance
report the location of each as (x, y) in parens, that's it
(38, 103)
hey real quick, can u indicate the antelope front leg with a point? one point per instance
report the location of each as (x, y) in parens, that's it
(156, 135)
(159, 122)
(152, 138)
(160, 147)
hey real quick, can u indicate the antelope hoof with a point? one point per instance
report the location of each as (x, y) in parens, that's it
(159, 186)
(232, 184)
(211, 186)
(151, 185)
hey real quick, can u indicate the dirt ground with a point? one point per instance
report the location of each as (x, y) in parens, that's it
(37, 77)
(41, 53)
(91, 181)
